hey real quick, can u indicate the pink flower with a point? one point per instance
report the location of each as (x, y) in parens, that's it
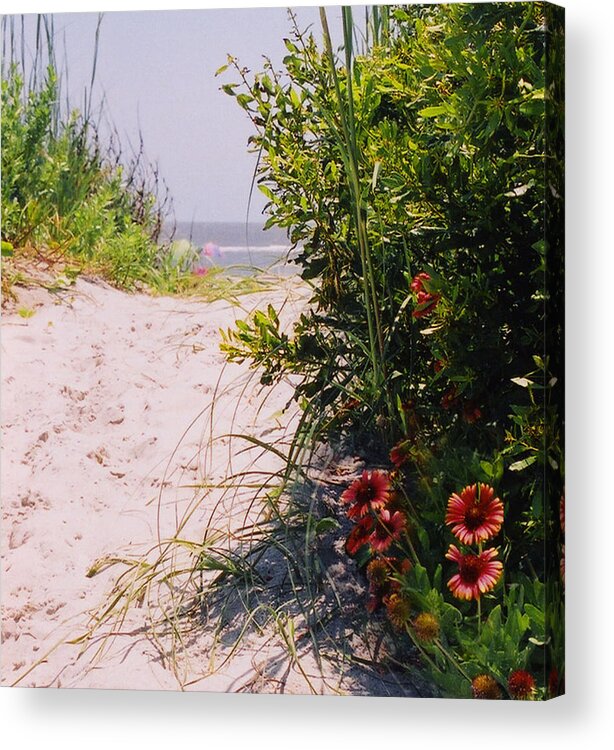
(477, 574)
(475, 515)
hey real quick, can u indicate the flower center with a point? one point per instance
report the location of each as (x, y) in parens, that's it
(470, 568)
(474, 517)
(367, 494)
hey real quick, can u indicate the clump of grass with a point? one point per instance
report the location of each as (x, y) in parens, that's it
(65, 192)
(216, 284)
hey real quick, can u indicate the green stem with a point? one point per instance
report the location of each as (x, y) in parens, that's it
(452, 660)
(351, 176)
(479, 616)
(376, 337)
(412, 549)
(479, 600)
(423, 653)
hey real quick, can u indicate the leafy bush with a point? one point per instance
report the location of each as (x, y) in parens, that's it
(422, 182)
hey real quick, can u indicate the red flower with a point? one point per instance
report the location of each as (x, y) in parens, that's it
(388, 528)
(471, 412)
(521, 685)
(425, 300)
(417, 283)
(368, 493)
(439, 364)
(475, 515)
(359, 536)
(400, 453)
(450, 398)
(476, 575)
(426, 303)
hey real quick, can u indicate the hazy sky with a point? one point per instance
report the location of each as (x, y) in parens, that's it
(156, 69)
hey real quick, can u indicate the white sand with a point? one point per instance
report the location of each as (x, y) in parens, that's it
(103, 452)
(97, 392)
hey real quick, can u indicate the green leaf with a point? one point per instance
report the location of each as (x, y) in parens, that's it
(376, 168)
(520, 465)
(244, 100)
(294, 98)
(265, 190)
(325, 525)
(433, 111)
(537, 618)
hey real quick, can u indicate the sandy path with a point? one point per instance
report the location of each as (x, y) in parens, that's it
(97, 392)
(103, 452)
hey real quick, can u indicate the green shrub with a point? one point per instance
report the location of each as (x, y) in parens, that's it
(422, 181)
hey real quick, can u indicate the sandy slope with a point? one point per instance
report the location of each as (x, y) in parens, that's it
(102, 450)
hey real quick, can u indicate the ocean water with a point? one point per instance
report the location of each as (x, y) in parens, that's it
(239, 247)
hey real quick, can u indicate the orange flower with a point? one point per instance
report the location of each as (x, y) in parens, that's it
(426, 627)
(398, 610)
(521, 685)
(378, 574)
(476, 575)
(475, 515)
(388, 528)
(368, 493)
(485, 687)
(382, 584)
